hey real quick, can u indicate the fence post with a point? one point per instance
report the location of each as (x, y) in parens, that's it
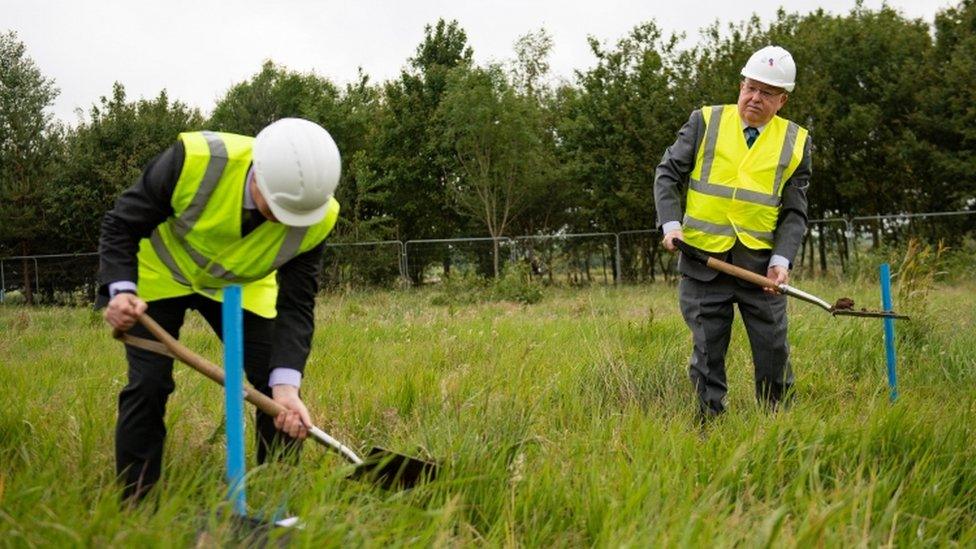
(406, 262)
(402, 253)
(851, 238)
(3, 284)
(616, 258)
(512, 255)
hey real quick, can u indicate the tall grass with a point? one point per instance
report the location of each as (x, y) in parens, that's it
(567, 422)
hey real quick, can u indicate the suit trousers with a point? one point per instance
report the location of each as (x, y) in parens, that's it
(707, 308)
(141, 431)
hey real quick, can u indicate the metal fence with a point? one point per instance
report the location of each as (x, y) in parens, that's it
(840, 242)
(562, 258)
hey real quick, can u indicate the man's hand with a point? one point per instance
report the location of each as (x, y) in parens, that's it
(779, 275)
(124, 310)
(668, 245)
(295, 421)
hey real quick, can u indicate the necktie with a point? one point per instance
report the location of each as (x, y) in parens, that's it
(751, 135)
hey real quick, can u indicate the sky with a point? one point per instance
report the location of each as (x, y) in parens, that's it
(197, 50)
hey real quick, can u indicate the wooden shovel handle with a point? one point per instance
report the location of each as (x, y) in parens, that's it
(739, 272)
(699, 256)
(169, 346)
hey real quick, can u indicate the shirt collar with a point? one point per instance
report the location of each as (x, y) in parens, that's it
(744, 125)
(248, 199)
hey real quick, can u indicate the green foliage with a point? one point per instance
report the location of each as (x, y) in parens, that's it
(461, 289)
(514, 285)
(946, 123)
(454, 148)
(106, 154)
(619, 120)
(859, 78)
(411, 158)
(517, 285)
(28, 143)
(269, 95)
(496, 136)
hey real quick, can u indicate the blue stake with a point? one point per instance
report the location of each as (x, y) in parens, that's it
(889, 331)
(234, 396)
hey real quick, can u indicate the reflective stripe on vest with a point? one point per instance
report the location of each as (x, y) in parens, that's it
(200, 249)
(734, 191)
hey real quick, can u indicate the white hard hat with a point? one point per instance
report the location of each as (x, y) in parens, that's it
(772, 65)
(296, 167)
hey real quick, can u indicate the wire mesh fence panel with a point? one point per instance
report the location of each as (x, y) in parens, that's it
(570, 258)
(348, 265)
(430, 261)
(67, 280)
(950, 228)
(826, 247)
(18, 278)
(63, 279)
(830, 245)
(643, 257)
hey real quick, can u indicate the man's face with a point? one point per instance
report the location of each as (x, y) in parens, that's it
(759, 102)
(260, 202)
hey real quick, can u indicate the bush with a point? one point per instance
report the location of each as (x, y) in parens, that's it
(517, 285)
(514, 285)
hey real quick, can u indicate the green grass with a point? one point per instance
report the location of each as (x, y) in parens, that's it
(564, 423)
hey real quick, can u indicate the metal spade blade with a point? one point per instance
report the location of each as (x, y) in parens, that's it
(392, 470)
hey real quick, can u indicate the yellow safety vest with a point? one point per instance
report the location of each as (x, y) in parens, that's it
(734, 191)
(199, 249)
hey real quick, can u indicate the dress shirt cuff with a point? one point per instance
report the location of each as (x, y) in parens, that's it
(285, 376)
(671, 226)
(779, 261)
(121, 285)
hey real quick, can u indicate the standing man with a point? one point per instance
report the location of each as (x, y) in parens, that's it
(216, 209)
(747, 171)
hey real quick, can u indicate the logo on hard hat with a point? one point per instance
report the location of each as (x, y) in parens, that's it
(770, 61)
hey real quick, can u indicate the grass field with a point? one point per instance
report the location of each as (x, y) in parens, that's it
(564, 423)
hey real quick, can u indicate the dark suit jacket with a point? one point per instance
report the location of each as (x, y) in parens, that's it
(670, 183)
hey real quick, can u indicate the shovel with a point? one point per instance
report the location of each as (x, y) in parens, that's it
(380, 466)
(842, 308)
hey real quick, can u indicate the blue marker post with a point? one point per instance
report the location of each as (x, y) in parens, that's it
(889, 331)
(234, 396)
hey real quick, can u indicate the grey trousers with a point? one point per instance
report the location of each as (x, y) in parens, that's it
(707, 309)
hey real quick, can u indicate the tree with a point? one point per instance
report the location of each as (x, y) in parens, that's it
(613, 127)
(551, 195)
(412, 158)
(28, 141)
(531, 65)
(618, 125)
(495, 135)
(945, 123)
(105, 154)
(271, 94)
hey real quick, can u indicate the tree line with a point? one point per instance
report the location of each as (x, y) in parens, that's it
(453, 148)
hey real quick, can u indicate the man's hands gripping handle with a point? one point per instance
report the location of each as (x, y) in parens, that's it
(776, 276)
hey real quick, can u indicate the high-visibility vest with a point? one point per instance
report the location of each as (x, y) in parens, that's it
(734, 191)
(199, 249)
